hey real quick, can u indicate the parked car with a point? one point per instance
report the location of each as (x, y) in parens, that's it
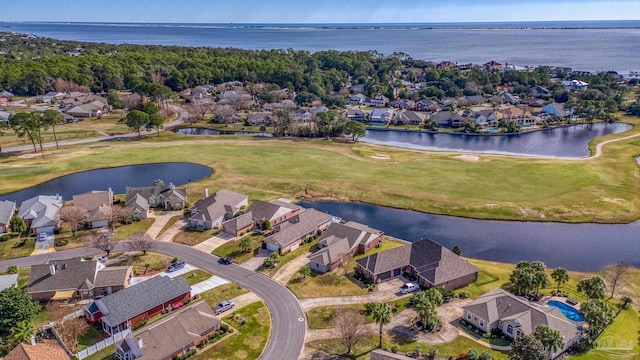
(223, 306)
(409, 287)
(103, 259)
(225, 261)
(176, 266)
(42, 237)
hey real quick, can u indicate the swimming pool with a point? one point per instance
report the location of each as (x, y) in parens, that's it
(566, 310)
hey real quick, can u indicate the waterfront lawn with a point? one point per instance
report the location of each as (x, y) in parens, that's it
(192, 237)
(625, 327)
(16, 247)
(253, 324)
(223, 292)
(529, 189)
(136, 227)
(196, 276)
(321, 317)
(233, 250)
(370, 342)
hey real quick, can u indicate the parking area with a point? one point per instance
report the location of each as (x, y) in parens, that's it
(44, 244)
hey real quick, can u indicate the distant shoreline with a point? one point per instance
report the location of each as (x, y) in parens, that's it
(524, 25)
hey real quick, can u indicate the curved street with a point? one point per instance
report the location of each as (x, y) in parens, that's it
(288, 321)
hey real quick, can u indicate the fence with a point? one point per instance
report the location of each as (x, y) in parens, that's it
(102, 344)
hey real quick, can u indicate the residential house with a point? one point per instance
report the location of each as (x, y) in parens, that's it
(4, 117)
(574, 85)
(4, 101)
(357, 88)
(276, 211)
(491, 66)
(171, 337)
(261, 118)
(516, 115)
(77, 98)
(41, 213)
(505, 98)
(159, 195)
(52, 96)
(212, 211)
(429, 262)
(447, 65)
(76, 279)
(7, 210)
(354, 114)
(533, 102)
(341, 242)
(318, 110)
(408, 117)
(139, 207)
(377, 101)
(379, 354)
(403, 104)
(8, 281)
(512, 67)
(481, 117)
(556, 109)
(301, 117)
(471, 100)
(540, 91)
(98, 205)
(7, 95)
(291, 233)
(380, 116)
(139, 303)
(239, 225)
(38, 350)
(357, 99)
(447, 119)
(559, 71)
(427, 105)
(514, 316)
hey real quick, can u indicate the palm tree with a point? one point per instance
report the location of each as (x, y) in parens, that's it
(245, 244)
(305, 271)
(560, 276)
(382, 315)
(551, 339)
(22, 332)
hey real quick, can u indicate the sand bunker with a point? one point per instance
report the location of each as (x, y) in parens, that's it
(380, 156)
(466, 157)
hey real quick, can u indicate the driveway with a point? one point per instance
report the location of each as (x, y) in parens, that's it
(284, 274)
(44, 246)
(287, 318)
(254, 263)
(161, 219)
(386, 291)
(171, 232)
(214, 242)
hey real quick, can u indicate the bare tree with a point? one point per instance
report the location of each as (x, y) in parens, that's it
(74, 216)
(351, 327)
(119, 214)
(141, 242)
(131, 101)
(55, 310)
(70, 330)
(63, 85)
(102, 241)
(617, 275)
(224, 114)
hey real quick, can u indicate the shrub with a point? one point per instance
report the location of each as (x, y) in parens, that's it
(5, 237)
(174, 260)
(61, 242)
(464, 294)
(368, 307)
(224, 327)
(395, 349)
(371, 287)
(13, 269)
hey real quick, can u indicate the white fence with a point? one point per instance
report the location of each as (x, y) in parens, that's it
(102, 344)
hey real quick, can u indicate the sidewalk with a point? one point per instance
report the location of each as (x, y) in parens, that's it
(386, 291)
(284, 274)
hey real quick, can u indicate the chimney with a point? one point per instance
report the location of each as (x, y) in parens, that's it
(206, 193)
(52, 269)
(33, 340)
(64, 266)
(140, 343)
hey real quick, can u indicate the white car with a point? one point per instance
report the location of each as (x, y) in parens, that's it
(42, 237)
(409, 287)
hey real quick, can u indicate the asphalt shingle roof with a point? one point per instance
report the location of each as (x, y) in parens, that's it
(42, 210)
(71, 274)
(7, 209)
(298, 226)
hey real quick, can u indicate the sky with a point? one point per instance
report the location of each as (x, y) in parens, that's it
(317, 11)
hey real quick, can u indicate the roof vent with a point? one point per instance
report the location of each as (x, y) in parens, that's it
(52, 269)
(64, 266)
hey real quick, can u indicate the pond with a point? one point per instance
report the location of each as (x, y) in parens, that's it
(117, 178)
(205, 131)
(567, 141)
(580, 247)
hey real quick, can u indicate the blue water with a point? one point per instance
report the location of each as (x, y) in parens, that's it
(582, 45)
(566, 310)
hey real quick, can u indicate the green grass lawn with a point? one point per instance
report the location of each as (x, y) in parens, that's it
(17, 247)
(321, 317)
(253, 324)
(232, 249)
(370, 343)
(529, 189)
(89, 337)
(223, 292)
(136, 227)
(282, 260)
(155, 262)
(196, 276)
(104, 354)
(193, 237)
(625, 327)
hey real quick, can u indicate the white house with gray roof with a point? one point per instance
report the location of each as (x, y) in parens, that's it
(212, 211)
(41, 213)
(515, 316)
(294, 230)
(7, 210)
(8, 281)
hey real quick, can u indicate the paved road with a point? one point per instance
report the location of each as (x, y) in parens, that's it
(182, 116)
(288, 320)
